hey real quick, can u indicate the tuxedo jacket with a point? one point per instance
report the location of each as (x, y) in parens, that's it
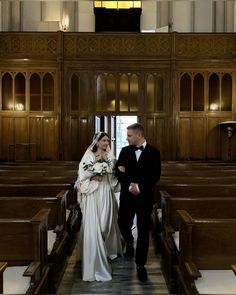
(146, 171)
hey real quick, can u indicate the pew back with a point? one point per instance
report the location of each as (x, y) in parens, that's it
(209, 243)
(202, 206)
(23, 240)
(26, 207)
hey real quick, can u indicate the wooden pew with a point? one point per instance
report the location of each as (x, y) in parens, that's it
(206, 244)
(50, 189)
(26, 207)
(24, 242)
(34, 189)
(202, 205)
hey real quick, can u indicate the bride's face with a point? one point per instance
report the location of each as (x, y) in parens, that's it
(103, 143)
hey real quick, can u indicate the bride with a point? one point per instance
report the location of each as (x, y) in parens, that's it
(99, 237)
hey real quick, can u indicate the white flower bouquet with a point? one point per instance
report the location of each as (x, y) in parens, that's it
(100, 167)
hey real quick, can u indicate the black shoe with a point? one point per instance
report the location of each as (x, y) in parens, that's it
(142, 273)
(129, 251)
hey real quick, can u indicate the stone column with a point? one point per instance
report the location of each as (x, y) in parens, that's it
(229, 16)
(203, 16)
(86, 16)
(182, 16)
(15, 16)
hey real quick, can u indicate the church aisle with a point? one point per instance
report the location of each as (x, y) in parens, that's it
(124, 278)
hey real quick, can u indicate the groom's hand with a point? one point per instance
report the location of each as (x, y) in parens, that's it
(121, 169)
(133, 188)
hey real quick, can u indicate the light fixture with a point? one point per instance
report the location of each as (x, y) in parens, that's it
(214, 107)
(64, 24)
(19, 107)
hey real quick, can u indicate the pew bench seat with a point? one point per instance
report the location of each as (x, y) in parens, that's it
(14, 281)
(214, 281)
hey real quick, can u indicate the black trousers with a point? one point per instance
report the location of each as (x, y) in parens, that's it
(129, 206)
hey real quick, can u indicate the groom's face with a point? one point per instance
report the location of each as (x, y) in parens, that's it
(133, 137)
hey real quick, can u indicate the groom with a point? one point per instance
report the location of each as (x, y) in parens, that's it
(138, 169)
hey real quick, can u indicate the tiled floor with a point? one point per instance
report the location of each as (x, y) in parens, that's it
(124, 278)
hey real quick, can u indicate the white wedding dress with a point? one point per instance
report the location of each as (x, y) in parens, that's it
(99, 237)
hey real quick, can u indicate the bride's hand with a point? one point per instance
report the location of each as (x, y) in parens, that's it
(96, 178)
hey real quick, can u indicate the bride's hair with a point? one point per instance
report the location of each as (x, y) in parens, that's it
(102, 134)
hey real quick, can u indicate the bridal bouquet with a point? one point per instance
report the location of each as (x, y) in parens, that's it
(100, 167)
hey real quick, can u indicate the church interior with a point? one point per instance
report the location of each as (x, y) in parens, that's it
(69, 69)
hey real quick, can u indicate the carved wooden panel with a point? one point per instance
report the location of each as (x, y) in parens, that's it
(7, 133)
(122, 45)
(184, 144)
(43, 132)
(21, 136)
(197, 138)
(213, 139)
(205, 46)
(25, 45)
(49, 141)
(80, 136)
(35, 135)
(155, 134)
(73, 139)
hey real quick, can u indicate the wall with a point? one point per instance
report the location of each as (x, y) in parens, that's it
(180, 16)
(178, 134)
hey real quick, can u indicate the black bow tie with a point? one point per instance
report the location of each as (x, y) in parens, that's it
(139, 148)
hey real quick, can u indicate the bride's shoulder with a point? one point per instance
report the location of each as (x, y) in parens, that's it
(88, 156)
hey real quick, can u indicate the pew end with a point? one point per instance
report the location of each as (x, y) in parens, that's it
(23, 243)
(206, 255)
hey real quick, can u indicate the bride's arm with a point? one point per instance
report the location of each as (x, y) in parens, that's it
(85, 177)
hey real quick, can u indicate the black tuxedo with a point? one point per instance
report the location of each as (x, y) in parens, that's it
(146, 173)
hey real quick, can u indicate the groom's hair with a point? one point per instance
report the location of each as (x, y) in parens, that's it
(137, 127)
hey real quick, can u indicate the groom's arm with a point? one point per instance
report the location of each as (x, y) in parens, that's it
(120, 167)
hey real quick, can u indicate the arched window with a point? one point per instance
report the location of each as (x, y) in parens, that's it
(154, 93)
(226, 93)
(214, 93)
(198, 93)
(185, 93)
(35, 92)
(105, 92)
(7, 92)
(80, 92)
(48, 92)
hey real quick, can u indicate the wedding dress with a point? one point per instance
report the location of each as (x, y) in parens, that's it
(99, 237)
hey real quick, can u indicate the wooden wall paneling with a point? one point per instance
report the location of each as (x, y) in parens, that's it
(150, 130)
(213, 145)
(198, 138)
(79, 137)
(50, 146)
(7, 133)
(156, 134)
(35, 136)
(86, 132)
(74, 146)
(184, 134)
(160, 139)
(21, 138)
